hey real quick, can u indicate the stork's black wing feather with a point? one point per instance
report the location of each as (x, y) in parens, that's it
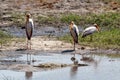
(29, 30)
(74, 34)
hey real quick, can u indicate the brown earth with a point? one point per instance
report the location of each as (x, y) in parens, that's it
(59, 6)
(54, 8)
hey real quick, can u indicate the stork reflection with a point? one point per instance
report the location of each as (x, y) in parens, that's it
(28, 75)
(91, 59)
(73, 71)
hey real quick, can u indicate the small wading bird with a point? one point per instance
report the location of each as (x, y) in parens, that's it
(29, 29)
(74, 31)
(90, 30)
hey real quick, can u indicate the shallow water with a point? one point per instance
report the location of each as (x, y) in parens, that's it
(100, 68)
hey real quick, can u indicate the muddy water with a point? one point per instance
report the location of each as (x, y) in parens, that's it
(100, 68)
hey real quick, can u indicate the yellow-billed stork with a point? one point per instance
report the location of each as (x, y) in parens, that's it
(74, 31)
(29, 28)
(90, 30)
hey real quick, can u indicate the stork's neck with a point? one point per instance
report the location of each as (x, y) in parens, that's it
(97, 27)
(27, 19)
(71, 26)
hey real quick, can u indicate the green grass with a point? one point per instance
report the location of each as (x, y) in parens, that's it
(4, 38)
(47, 19)
(71, 17)
(104, 39)
(18, 19)
(106, 20)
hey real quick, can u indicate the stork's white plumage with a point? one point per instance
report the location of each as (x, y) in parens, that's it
(90, 30)
(77, 30)
(29, 28)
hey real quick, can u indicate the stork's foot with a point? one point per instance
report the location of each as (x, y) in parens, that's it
(73, 58)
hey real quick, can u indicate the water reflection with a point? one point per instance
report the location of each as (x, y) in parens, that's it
(102, 63)
(29, 58)
(73, 71)
(91, 59)
(28, 75)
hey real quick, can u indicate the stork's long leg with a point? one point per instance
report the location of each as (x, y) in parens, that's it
(30, 44)
(27, 45)
(74, 50)
(74, 45)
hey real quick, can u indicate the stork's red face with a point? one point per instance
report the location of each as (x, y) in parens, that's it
(98, 28)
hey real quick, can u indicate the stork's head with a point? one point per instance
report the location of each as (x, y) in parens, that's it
(28, 15)
(98, 28)
(71, 24)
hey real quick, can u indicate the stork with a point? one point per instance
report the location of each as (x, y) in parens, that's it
(74, 31)
(29, 28)
(90, 30)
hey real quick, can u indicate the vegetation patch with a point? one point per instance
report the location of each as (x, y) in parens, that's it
(106, 20)
(47, 20)
(4, 38)
(18, 19)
